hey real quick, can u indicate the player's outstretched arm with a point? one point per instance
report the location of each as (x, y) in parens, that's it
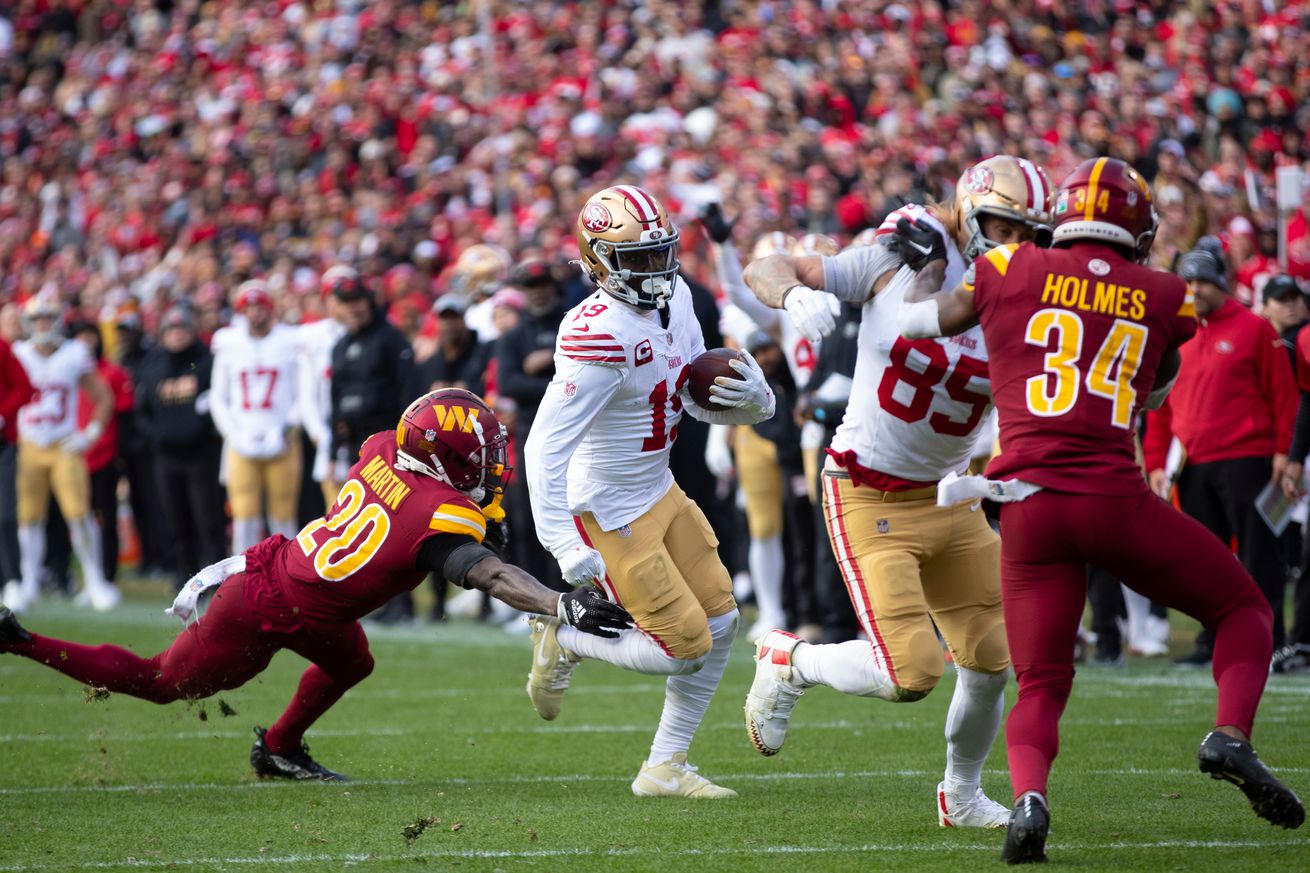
(582, 608)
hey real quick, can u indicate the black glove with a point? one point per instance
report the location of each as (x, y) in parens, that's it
(917, 243)
(497, 537)
(716, 224)
(590, 613)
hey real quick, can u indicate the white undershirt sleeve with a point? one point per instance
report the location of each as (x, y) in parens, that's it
(561, 423)
(728, 265)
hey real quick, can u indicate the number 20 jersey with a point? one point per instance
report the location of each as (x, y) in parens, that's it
(1077, 337)
(916, 406)
(363, 551)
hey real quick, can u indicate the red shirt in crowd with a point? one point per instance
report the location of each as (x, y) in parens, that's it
(15, 391)
(1074, 337)
(105, 450)
(1235, 396)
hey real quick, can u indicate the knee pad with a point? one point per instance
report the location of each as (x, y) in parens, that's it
(922, 666)
(985, 648)
(690, 640)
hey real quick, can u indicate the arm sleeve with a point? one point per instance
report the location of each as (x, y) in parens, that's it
(727, 263)
(1159, 434)
(18, 388)
(514, 383)
(851, 275)
(312, 416)
(220, 396)
(1279, 387)
(559, 427)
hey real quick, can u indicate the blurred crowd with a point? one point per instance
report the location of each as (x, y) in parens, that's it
(157, 154)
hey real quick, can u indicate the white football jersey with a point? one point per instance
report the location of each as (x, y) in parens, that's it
(601, 438)
(52, 415)
(315, 342)
(918, 405)
(254, 389)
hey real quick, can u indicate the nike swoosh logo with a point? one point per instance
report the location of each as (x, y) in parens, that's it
(583, 329)
(543, 662)
(671, 785)
(918, 248)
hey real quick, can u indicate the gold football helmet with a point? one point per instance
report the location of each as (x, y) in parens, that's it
(1006, 186)
(479, 269)
(815, 244)
(775, 242)
(629, 246)
(43, 317)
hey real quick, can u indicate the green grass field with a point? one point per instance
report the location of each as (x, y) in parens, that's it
(443, 734)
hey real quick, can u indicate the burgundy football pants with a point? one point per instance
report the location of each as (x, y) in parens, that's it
(225, 649)
(1048, 540)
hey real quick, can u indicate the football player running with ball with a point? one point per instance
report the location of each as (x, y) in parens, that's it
(1081, 336)
(603, 498)
(907, 562)
(412, 504)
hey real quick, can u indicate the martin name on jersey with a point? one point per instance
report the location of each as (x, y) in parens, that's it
(922, 402)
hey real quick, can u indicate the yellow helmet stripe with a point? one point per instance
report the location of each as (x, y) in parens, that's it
(1089, 207)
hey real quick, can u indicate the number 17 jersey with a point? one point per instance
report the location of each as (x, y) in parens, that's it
(1076, 335)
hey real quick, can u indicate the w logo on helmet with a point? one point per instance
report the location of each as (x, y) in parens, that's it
(455, 418)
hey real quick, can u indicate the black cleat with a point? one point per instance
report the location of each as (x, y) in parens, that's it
(1225, 757)
(10, 630)
(297, 765)
(1025, 841)
(1292, 658)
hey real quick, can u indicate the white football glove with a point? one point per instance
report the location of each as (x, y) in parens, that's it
(718, 455)
(78, 442)
(751, 390)
(812, 312)
(582, 566)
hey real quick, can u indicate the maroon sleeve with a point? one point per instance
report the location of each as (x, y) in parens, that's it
(15, 388)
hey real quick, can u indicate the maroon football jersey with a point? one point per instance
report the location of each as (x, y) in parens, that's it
(362, 552)
(1075, 336)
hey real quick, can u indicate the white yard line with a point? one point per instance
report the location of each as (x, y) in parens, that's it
(475, 854)
(1152, 772)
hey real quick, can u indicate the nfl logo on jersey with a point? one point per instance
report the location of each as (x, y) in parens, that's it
(884, 526)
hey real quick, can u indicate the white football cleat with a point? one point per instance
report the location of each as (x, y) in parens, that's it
(676, 778)
(979, 811)
(15, 597)
(552, 667)
(773, 694)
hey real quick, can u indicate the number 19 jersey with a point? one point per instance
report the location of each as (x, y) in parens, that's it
(917, 406)
(1077, 335)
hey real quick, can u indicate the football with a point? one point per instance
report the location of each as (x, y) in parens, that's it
(705, 369)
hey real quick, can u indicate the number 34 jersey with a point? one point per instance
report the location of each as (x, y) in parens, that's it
(918, 405)
(363, 551)
(1077, 337)
(601, 438)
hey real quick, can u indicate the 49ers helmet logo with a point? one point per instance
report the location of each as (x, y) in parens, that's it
(596, 218)
(978, 180)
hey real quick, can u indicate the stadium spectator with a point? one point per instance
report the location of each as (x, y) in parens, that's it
(172, 402)
(1232, 410)
(136, 455)
(457, 348)
(102, 459)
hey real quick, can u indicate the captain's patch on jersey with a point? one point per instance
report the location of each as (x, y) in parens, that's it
(642, 354)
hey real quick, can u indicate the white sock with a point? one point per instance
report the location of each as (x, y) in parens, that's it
(246, 532)
(972, 722)
(686, 697)
(850, 667)
(84, 534)
(1138, 607)
(632, 650)
(31, 555)
(287, 527)
(766, 563)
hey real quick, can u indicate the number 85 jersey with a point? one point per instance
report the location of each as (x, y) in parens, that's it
(917, 406)
(601, 438)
